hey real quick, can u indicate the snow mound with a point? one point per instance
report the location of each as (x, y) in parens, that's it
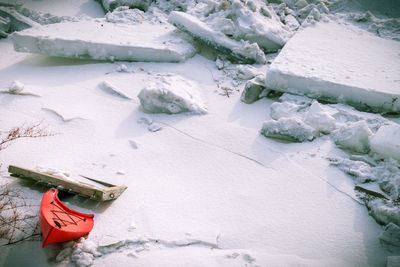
(125, 15)
(240, 50)
(354, 137)
(291, 129)
(348, 65)
(386, 141)
(98, 39)
(113, 90)
(172, 94)
(16, 87)
(55, 172)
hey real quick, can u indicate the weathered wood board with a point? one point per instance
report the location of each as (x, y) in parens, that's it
(109, 192)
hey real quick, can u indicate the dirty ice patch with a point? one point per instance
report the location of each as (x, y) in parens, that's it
(347, 65)
(172, 94)
(240, 50)
(98, 39)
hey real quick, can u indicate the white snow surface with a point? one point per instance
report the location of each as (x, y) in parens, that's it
(347, 65)
(98, 39)
(202, 190)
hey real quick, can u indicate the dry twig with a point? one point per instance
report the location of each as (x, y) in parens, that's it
(32, 131)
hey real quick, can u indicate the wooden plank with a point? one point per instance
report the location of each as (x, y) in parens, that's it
(93, 192)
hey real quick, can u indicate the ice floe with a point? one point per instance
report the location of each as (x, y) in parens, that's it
(347, 65)
(97, 39)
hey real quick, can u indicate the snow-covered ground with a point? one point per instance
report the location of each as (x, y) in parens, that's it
(207, 186)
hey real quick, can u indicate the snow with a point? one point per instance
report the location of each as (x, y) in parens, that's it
(172, 94)
(206, 190)
(348, 65)
(96, 40)
(386, 141)
(241, 50)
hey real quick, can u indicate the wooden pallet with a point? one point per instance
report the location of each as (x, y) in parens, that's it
(109, 192)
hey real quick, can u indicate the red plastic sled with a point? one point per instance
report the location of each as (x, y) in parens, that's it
(59, 223)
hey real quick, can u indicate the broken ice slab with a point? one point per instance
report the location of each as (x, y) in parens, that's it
(242, 51)
(340, 63)
(106, 41)
(17, 22)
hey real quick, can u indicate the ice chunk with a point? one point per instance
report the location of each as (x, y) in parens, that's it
(240, 50)
(292, 22)
(319, 118)
(172, 94)
(246, 72)
(387, 141)
(105, 41)
(284, 110)
(353, 136)
(393, 261)
(16, 87)
(384, 211)
(253, 89)
(356, 68)
(110, 5)
(391, 234)
(291, 129)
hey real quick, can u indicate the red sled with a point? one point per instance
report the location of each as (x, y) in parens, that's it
(59, 223)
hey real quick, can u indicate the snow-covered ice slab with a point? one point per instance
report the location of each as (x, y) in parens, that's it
(340, 63)
(243, 51)
(106, 41)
